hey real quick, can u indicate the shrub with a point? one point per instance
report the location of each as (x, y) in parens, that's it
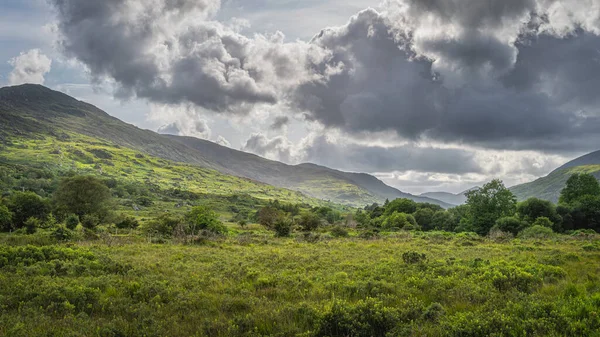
(203, 218)
(544, 222)
(413, 257)
(339, 232)
(434, 312)
(25, 205)
(536, 232)
(5, 219)
(144, 201)
(364, 319)
(128, 223)
(90, 221)
(164, 225)
(282, 227)
(62, 233)
(72, 221)
(309, 222)
(31, 225)
(369, 235)
(500, 236)
(509, 224)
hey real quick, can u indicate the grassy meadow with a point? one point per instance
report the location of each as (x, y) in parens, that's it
(250, 283)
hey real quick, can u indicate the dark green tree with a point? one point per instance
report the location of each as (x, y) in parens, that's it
(424, 218)
(203, 218)
(309, 222)
(533, 208)
(401, 206)
(25, 205)
(488, 204)
(83, 195)
(510, 224)
(5, 219)
(579, 186)
(443, 220)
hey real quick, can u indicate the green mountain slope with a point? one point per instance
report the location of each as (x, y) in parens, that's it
(31, 112)
(314, 180)
(549, 187)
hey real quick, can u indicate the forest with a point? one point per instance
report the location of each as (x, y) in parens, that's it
(76, 260)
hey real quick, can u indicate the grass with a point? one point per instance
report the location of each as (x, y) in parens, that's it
(86, 155)
(251, 284)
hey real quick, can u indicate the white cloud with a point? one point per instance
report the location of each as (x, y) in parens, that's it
(29, 67)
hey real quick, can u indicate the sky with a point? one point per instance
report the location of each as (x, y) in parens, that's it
(427, 95)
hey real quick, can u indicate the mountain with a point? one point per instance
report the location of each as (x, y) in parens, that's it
(453, 199)
(34, 110)
(549, 187)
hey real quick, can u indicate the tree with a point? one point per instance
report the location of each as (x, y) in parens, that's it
(309, 222)
(5, 219)
(424, 218)
(401, 206)
(398, 221)
(203, 218)
(83, 195)
(488, 204)
(443, 220)
(267, 216)
(533, 208)
(25, 205)
(543, 221)
(579, 186)
(510, 224)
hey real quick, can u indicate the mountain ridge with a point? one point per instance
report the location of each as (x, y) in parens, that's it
(32, 109)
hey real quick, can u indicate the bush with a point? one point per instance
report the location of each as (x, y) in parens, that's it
(509, 224)
(434, 312)
(364, 319)
(536, 232)
(164, 225)
(90, 221)
(31, 225)
(202, 218)
(128, 223)
(25, 205)
(62, 233)
(5, 219)
(282, 227)
(413, 258)
(339, 232)
(309, 222)
(72, 221)
(544, 222)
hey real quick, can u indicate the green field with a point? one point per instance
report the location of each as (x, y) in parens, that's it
(251, 284)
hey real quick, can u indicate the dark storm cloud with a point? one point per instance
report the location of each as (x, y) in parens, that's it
(280, 122)
(502, 74)
(163, 51)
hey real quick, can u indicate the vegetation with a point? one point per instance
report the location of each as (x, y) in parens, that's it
(99, 239)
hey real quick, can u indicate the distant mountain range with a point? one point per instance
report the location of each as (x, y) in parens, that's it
(31, 110)
(453, 199)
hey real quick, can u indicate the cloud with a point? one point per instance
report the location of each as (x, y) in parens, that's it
(172, 52)
(223, 141)
(280, 122)
(29, 67)
(169, 129)
(498, 74)
(276, 148)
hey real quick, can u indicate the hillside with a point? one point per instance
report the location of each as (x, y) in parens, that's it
(311, 179)
(549, 187)
(35, 112)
